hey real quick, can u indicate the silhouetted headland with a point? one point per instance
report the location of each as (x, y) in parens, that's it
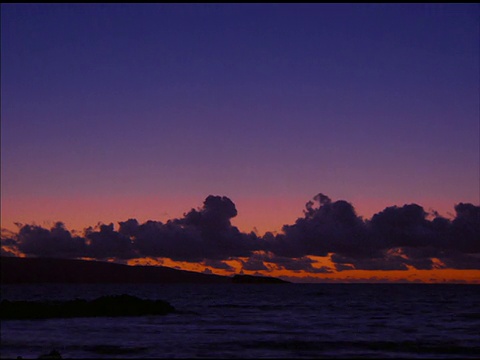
(16, 270)
(117, 305)
(250, 279)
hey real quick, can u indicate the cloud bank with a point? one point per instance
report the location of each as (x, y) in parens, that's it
(397, 238)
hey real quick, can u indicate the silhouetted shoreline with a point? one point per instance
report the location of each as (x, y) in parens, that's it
(15, 270)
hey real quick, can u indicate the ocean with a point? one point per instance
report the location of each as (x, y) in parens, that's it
(440, 321)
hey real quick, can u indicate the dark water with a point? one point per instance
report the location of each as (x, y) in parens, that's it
(259, 321)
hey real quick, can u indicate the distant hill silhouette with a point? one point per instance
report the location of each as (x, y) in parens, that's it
(16, 270)
(250, 279)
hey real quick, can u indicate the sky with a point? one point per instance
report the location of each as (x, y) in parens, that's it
(111, 112)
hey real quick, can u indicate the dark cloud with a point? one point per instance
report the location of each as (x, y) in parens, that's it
(458, 260)
(218, 265)
(386, 262)
(394, 239)
(204, 233)
(407, 226)
(254, 263)
(397, 238)
(8, 243)
(180, 243)
(465, 235)
(106, 243)
(296, 264)
(268, 261)
(4, 251)
(220, 240)
(201, 234)
(56, 242)
(330, 227)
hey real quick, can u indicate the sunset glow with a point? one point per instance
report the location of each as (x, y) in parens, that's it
(412, 275)
(310, 142)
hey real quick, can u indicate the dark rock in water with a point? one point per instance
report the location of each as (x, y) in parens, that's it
(119, 305)
(54, 354)
(115, 350)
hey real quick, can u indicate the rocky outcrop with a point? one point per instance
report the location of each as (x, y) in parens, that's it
(117, 305)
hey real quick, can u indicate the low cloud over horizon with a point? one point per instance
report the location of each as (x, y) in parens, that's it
(396, 238)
